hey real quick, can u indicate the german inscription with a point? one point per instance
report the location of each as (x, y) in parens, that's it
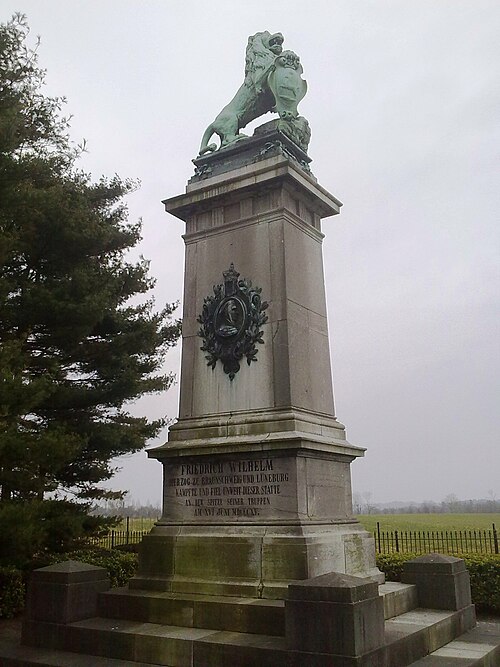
(228, 489)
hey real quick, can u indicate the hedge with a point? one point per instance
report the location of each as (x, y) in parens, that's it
(12, 592)
(484, 571)
(121, 567)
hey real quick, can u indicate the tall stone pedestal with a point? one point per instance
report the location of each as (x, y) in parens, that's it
(257, 487)
(257, 559)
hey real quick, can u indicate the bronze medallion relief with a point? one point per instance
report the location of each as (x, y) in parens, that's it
(230, 322)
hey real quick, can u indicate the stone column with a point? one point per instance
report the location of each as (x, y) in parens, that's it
(257, 487)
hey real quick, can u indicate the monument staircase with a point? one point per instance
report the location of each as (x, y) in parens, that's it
(139, 628)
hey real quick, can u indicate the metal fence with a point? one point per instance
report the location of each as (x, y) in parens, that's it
(386, 541)
(118, 538)
(444, 541)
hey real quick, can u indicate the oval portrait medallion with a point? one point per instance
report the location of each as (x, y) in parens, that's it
(230, 322)
(230, 317)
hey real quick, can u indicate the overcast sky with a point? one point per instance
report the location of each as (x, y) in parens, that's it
(403, 102)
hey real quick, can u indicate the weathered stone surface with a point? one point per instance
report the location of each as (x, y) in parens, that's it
(252, 185)
(422, 631)
(225, 431)
(265, 247)
(65, 592)
(408, 638)
(233, 614)
(336, 614)
(442, 581)
(248, 523)
(251, 560)
(435, 563)
(334, 587)
(257, 488)
(69, 572)
(398, 598)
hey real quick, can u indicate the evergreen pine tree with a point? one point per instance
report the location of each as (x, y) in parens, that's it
(74, 348)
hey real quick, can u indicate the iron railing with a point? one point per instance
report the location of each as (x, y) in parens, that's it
(441, 541)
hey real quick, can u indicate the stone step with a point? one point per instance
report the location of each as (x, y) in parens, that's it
(398, 598)
(415, 634)
(24, 656)
(409, 637)
(163, 644)
(13, 654)
(480, 647)
(247, 615)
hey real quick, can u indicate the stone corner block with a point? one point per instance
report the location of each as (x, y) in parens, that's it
(334, 587)
(65, 592)
(337, 614)
(442, 581)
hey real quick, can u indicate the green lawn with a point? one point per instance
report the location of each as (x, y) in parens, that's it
(430, 521)
(389, 522)
(141, 523)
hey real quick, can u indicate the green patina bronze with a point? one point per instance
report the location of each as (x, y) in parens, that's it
(273, 82)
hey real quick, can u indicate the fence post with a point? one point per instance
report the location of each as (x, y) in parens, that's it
(128, 529)
(112, 539)
(397, 541)
(495, 538)
(378, 535)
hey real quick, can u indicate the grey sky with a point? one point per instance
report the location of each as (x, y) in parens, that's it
(403, 103)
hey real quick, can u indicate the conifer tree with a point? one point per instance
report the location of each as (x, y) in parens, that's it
(74, 348)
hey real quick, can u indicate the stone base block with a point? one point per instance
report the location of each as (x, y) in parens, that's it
(442, 581)
(250, 561)
(335, 614)
(65, 592)
(248, 517)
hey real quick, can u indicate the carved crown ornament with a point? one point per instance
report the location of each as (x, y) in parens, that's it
(231, 322)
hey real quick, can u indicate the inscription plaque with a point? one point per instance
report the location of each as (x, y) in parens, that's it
(230, 490)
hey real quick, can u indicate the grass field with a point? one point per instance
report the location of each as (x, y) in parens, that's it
(141, 523)
(388, 522)
(405, 533)
(429, 522)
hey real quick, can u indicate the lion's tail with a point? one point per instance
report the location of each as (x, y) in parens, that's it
(205, 146)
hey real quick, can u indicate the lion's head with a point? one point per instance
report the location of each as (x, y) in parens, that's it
(275, 43)
(262, 49)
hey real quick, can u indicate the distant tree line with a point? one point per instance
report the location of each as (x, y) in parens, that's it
(132, 508)
(362, 504)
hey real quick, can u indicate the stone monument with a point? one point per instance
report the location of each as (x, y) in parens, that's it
(257, 486)
(257, 560)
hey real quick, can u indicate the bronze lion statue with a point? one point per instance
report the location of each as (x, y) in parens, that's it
(253, 98)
